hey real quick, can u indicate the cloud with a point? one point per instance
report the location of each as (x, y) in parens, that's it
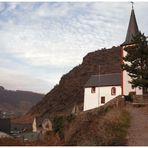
(43, 41)
(52, 10)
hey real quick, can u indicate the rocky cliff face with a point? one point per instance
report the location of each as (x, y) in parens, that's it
(70, 90)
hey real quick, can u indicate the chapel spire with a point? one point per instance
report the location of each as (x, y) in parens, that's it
(132, 28)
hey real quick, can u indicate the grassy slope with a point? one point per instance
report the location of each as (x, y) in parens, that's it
(106, 126)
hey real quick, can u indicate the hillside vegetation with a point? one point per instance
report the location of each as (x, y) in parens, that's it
(109, 128)
(70, 89)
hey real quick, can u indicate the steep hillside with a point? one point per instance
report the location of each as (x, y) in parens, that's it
(18, 102)
(71, 86)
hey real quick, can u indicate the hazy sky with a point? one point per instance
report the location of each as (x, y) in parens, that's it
(39, 42)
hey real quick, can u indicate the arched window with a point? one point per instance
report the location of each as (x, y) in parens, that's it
(113, 91)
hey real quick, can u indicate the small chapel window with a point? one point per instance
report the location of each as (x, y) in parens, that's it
(93, 89)
(102, 100)
(132, 87)
(113, 91)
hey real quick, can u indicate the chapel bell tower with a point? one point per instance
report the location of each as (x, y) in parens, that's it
(132, 31)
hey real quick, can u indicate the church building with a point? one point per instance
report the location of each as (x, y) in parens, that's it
(100, 89)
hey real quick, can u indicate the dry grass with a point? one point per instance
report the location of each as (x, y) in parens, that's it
(106, 125)
(100, 128)
(10, 142)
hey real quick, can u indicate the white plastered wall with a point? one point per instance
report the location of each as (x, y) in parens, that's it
(34, 128)
(106, 92)
(93, 100)
(90, 99)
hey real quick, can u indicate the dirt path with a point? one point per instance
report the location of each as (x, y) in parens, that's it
(138, 131)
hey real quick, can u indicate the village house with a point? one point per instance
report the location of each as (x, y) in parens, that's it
(4, 135)
(41, 125)
(20, 127)
(5, 125)
(6, 114)
(100, 89)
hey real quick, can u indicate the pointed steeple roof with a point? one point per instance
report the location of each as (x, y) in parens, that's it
(132, 29)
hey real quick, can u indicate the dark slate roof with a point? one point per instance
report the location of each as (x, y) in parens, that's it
(113, 79)
(132, 29)
(5, 125)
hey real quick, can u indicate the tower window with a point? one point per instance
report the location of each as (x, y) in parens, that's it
(132, 87)
(102, 100)
(113, 91)
(93, 89)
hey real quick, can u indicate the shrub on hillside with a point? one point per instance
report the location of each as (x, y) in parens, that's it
(118, 129)
(70, 118)
(58, 125)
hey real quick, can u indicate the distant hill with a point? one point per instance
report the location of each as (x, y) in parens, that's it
(70, 89)
(18, 102)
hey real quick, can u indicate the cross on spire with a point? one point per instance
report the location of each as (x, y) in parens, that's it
(132, 4)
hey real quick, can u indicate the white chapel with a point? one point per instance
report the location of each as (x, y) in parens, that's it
(100, 89)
